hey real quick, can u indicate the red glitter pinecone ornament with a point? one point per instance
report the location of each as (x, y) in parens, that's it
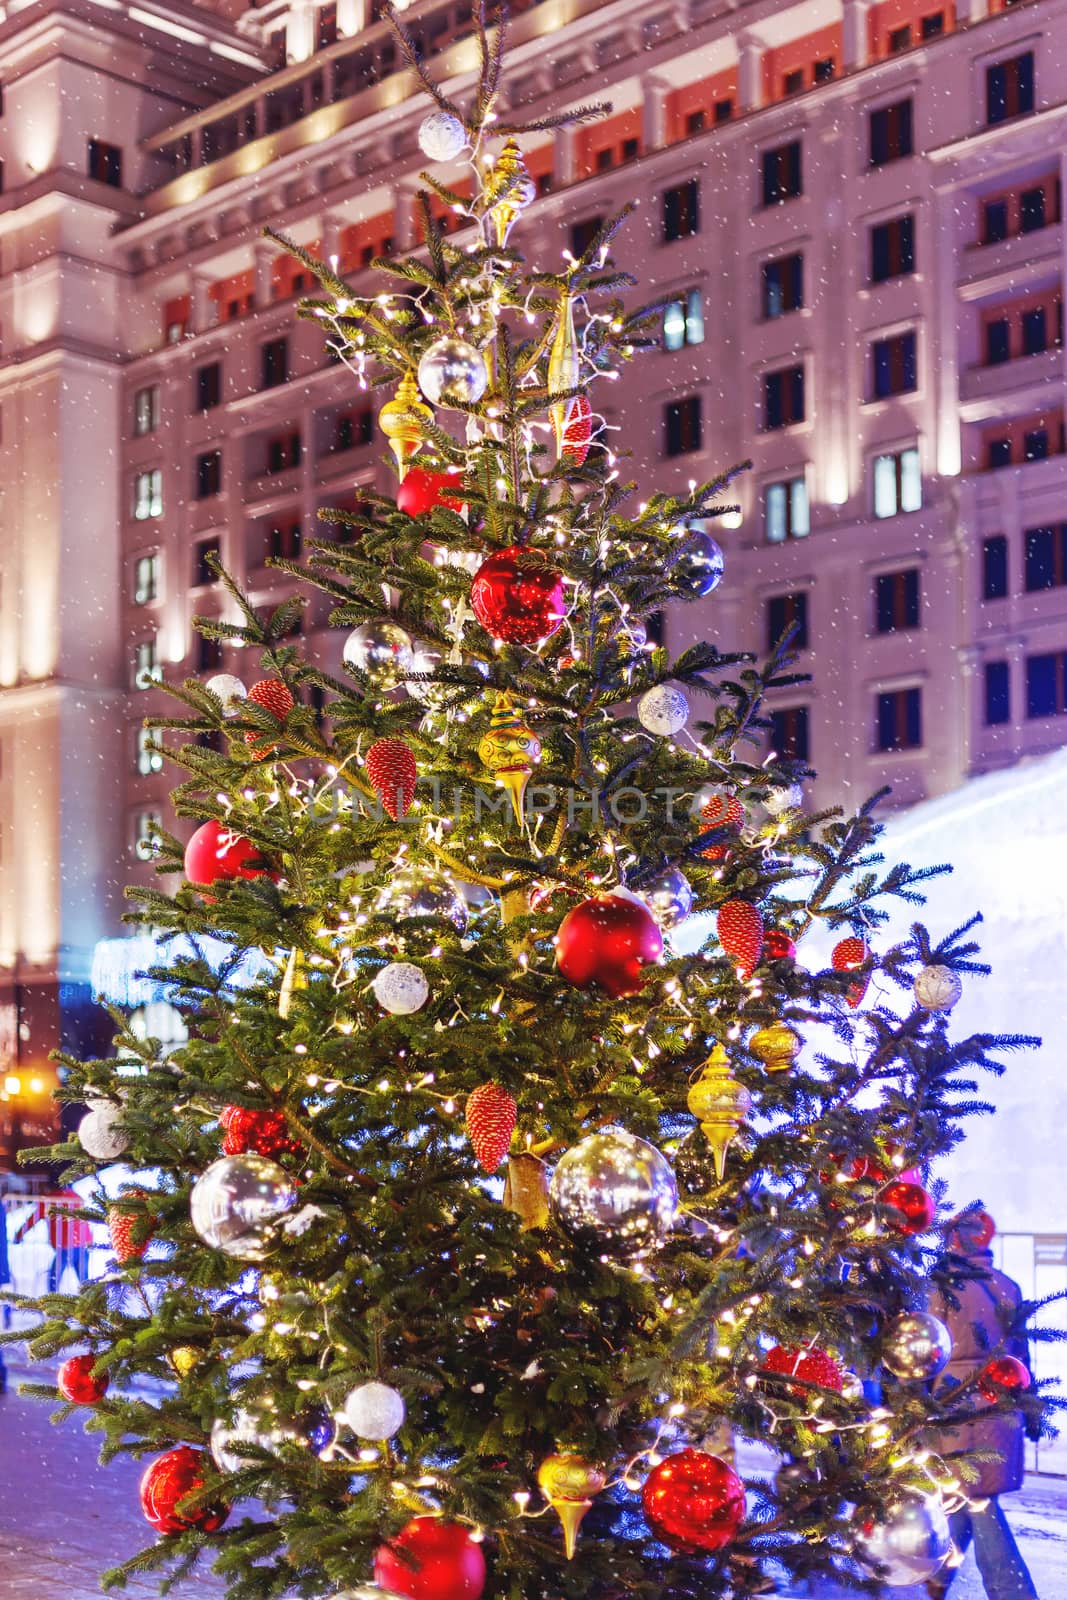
(721, 811)
(577, 431)
(121, 1225)
(740, 928)
(810, 1365)
(392, 771)
(274, 696)
(491, 1118)
(266, 1133)
(846, 955)
(166, 1483)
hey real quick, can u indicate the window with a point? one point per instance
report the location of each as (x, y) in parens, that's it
(995, 567)
(105, 163)
(787, 611)
(283, 452)
(147, 759)
(146, 410)
(899, 720)
(208, 474)
(146, 667)
(894, 366)
(202, 572)
(583, 234)
(1035, 444)
(1009, 88)
(898, 484)
(786, 513)
(896, 597)
(783, 397)
(1046, 685)
(631, 149)
(997, 693)
(893, 248)
(793, 82)
(890, 133)
(208, 653)
(997, 341)
(790, 733)
(932, 26)
(781, 173)
(285, 541)
(683, 425)
(998, 453)
(208, 386)
(1046, 558)
(696, 122)
(723, 111)
(681, 211)
(825, 70)
(900, 39)
(353, 428)
(148, 495)
(146, 579)
(146, 829)
(605, 159)
(683, 321)
(994, 221)
(1035, 331)
(1032, 215)
(782, 285)
(274, 357)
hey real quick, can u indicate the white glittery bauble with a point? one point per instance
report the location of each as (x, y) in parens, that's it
(452, 372)
(441, 136)
(229, 689)
(937, 988)
(374, 1411)
(99, 1135)
(664, 709)
(782, 800)
(401, 988)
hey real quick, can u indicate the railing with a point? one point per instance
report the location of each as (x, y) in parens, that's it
(1038, 1263)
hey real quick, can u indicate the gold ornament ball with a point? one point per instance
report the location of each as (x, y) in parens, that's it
(777, 1046)
(183, 1358)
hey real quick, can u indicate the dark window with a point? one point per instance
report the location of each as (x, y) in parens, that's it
(285, 541)
(783, 397)
(1046, 685)
(890, 133)
(353, 428)
(1046, 557)
(631, 149)
(793, 82)
(787, 611)
(997, 693)
(895, 368)
(900, 39)
(683, 426)
(997, 341)
(696, 121)
(202, 573)
(1035, 331)
(583, 234)
(105, 163)
(681, 211)
(208, 474)
(605, 159)
(893, 248)
(998, 453)
(781, 173)
(790, 733)
(1009, 88)
(933, 26)
(208, 654)
(1032, 209)
(724, 110)
(283, 452)
(897, 600)
(994, 221)
(1035, 444)
(208, 386)
(783, 285)
(825, 70)
(900, 720)
(995, 567)
(274, 356)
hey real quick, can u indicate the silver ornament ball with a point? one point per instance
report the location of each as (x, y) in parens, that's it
(937, 988)
(417, 893)
(911, 1545)
(669, 897)
(258, 1424)
(779, 801)
(401, 988)
(382, 650)
(368, 1591)
(916, 1346)
(99, 1133)
(452, 372)
(374, 1411)
(229, 689)
(441, 136)
(663, 710)
(237, 1204)
(699, 568)
(614, 1191)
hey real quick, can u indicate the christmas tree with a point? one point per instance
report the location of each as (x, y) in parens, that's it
(476, 1232)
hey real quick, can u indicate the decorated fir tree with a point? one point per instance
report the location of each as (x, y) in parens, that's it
(476, 1234)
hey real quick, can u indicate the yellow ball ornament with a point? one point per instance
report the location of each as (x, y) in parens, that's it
(777, 1046)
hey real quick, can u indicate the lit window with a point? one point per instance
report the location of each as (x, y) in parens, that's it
(148, 495)
(146, 579)
(146, 667)
(149, 759)
(683, 321)
(898, 484)
(786, 510)
(146, 828)
(146, 410)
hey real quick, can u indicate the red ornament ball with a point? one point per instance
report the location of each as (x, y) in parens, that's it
(432, 1559)
(517, 596)
(76, 1383)
(1004, 1375)
(167, 1482)
(422, 489)
(916, 1207)
(778, 946)
(846, 955)
(215, 852)
(491, 1118)
(693, 1501)
(266, 1133)
(393, 774)
(740, 928)
(577, 431)
(607, 940)
(811, 1365)
(121, 1225)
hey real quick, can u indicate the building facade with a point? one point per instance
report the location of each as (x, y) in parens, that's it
(853, 210)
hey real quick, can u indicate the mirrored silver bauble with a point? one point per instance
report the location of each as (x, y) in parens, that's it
(699, 568)
(911, 1544)
(237, 1203)
(415, 892)
(669, 897)
(779, 801)
(937, 988)
(99, 1133)
(663, 710)
(452, 372)
(229, 689)
(614, 1191)
(441, 136)
(374, 1411)
(916, 1346)
(368, 1591)
(401, 988)
(382, 650)
(258, 1424)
